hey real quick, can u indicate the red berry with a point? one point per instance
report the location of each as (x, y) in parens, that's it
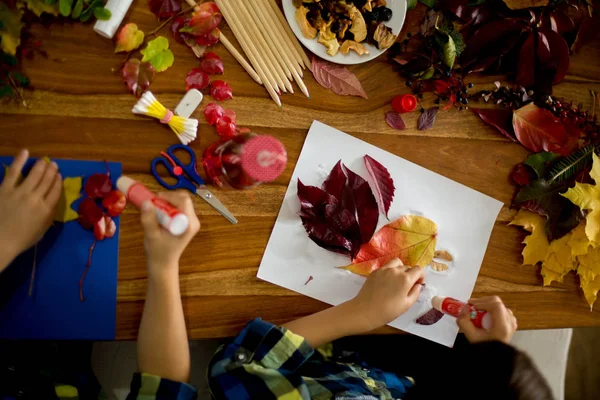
(226, 127)
(197, 79)
(213, 113)
(220, 91)
(212, 64)
(231, 114)
(98, 186)
(114, 203)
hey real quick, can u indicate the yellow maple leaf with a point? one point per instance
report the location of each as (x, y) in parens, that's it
(38, 7)
(71, 192)
(10, 32)
(579, 241)
(536, 245)
(587, 197)
(589, 274)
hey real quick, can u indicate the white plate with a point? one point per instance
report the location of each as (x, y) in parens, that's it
(398, 8)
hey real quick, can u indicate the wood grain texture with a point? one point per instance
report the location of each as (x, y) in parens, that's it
(81, 109)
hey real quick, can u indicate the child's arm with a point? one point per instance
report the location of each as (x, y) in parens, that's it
(26, 208)
(162, 339)
(387, 294)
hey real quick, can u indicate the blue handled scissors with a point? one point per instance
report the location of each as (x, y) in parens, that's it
(177, 169)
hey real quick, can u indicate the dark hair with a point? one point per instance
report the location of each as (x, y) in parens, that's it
(484, 371)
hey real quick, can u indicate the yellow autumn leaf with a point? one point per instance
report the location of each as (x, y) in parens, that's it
(129, 38)
(71, 192)
(38, 7)
(536, 245)
(10, 32)
(587, 197)
(411, 238)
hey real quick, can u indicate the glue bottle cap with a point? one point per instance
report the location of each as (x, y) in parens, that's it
(118, 9)
(263, 158)
(404, 103)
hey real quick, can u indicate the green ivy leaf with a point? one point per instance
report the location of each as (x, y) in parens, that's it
(10, 33)
(64, 6)
(428, 3)
(21, 79)
(539, 162)
(77, 9)
(410, 4)
(102, 13)
(87, 13)
(6, 91)
(158, 54)
(427, 74)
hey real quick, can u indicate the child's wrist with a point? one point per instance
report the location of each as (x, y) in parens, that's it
(358, 316)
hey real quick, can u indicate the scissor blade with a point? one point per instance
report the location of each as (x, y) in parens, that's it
(215, 203)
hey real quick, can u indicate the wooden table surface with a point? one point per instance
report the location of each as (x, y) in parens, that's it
(81, 109)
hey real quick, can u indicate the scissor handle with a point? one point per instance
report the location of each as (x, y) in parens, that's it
(190, 169)
(181, 183)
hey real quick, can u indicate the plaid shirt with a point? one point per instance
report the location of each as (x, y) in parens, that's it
(269, 362)
(150, 387)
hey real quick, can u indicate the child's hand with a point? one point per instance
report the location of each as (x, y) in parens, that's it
(388, 293)
(26, 209)
(504, 323)
(162, 248)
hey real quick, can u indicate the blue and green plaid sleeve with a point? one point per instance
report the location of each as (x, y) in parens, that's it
(151, 387)
(260, 363)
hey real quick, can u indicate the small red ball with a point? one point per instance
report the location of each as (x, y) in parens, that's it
(404, 103)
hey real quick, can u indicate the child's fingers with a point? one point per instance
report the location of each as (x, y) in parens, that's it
(415, 274)
(12, 175)
(149, 220)
(54, 192)
(467, 327)
(47, 179)
(35, 176)
(180, 199)
(393, 263)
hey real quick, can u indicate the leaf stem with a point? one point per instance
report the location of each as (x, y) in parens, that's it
(18, 90)
(85, 271)
(30, 292)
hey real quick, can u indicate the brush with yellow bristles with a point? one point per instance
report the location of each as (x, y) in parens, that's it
(184, 128)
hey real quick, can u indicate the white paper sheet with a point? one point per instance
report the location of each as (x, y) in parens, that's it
(464, 217)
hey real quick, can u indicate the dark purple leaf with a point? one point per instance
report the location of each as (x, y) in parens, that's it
(522, 175)
(383, 182)
(335, 182)
(164, 8)
(430, 317)
(313, 200)
(489, 38)
(365, 203)
(325, 237)
(526, 66)
(427, 118)
(394, 120)
(176, 25)
(499, 118)
(559, 53)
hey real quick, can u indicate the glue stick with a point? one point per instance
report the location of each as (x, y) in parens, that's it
(168, 215)
(455, 308)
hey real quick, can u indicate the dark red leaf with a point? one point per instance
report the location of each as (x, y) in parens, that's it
(499, 118)
(98, 186)
(231, 114)
(226, 127)
(559, 53)
(394, 120)
(365, 203)
(335, 182)
(197, 79)
(208, 39)
(89, 213)
(538, 129)
(441, 87)
(176, 25)
(220, 91)
(114, 203)
(427, 118)
(212, 64)
(430, 317)
(205, 20)
(322, 235)
(561, 22)
(138, 76)
(383, 182)
(164, 8)
(521, 175)
(526, 66)
(313, 200)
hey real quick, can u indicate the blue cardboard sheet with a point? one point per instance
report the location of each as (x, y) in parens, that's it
(55, 311)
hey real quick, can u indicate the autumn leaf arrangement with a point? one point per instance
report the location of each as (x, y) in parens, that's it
(16, 42)
(342, 215)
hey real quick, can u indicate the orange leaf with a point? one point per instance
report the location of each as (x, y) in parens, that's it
(411, 238)
(129, 38)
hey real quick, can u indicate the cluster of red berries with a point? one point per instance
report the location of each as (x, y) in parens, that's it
(575, 115)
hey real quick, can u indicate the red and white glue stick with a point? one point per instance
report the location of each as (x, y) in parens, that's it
(455, 308)
(167, 214)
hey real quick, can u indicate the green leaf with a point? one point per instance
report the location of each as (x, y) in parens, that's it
(38, 7)
(64, 6)
(21, 79)
(570, 166)
(6, 91)
(428, 3)
(448, 48)
(427, 74)
(539, 162)
(410, 4)
(102, 13)
(158, 54)
(50, 2)
(77, 9)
